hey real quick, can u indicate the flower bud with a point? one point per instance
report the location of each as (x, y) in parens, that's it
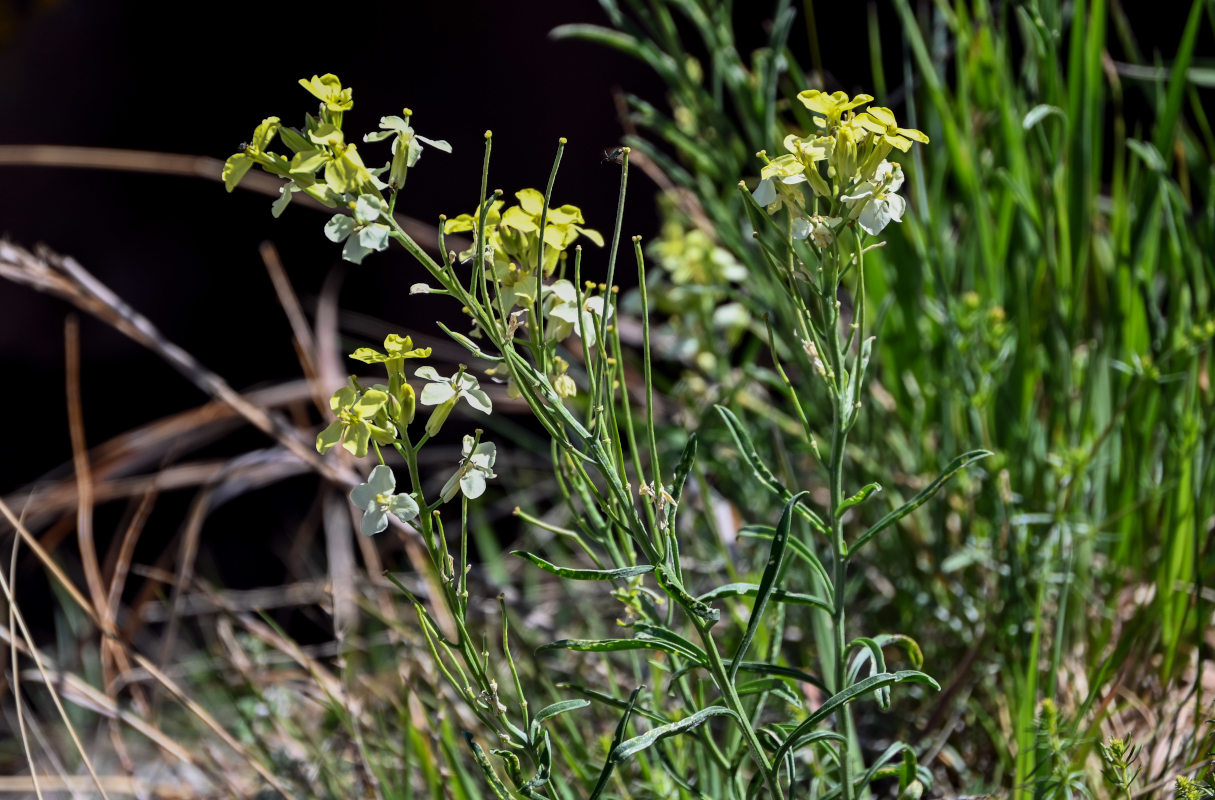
(439, 416)
(843, 157)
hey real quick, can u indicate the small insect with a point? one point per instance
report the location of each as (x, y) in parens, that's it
(614, 155)
(243, 146)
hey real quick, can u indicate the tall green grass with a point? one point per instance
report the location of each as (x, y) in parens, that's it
(1049, 299)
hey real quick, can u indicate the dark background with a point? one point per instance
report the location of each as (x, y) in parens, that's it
(196, 79)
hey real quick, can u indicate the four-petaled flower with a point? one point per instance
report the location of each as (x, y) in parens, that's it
(397, 348)
(476, 465)
(445, 392)
(873, 204)
(363, 232)
(831, 106)
(328, 89)
(406, 147)
(376, 500)
(563, 317)
(881, 122)
(777, 176)
(355, 425)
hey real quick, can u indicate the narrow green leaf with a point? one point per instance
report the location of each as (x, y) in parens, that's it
(1166, 123)
(646, 630)
(495, 783)
(751, 456)
(763, 668)
(681, 477)
(617, 645)
(1147, 153)
(872, 653)
(639, 743)
(553, 710)
(645, 51)
(469, 344)
(767, 582)
(774, 686)
(584, 574)
(610, 762)
(954, 467)
(857, 690)
(800, 548)
(778, 595)
(1041, 112)
(859, 497)
(675, 589)
(758, 668)
(614, 702)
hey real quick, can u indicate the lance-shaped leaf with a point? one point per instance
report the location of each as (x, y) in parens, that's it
(495, 783)
(616, 645)
(609, 763)
(906, 771)
(764, 668)
(638, 743)
(928, 491)
(681, 477)
(799, 548)
(778, 595)
(872, 653)
(584, 574)
(858, 498)
(550, 711)
(751, 456)
(646, 630)
(776, 559)
(671, 585)
(614, 702)
(797, 736)
(774, 686)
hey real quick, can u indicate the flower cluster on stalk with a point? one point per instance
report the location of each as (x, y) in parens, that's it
(380, 415)
(844, 167)
(329, 169)
(513, 250)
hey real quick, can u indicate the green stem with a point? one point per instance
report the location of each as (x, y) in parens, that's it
(718, 670)
(835, 477)
(538, 312)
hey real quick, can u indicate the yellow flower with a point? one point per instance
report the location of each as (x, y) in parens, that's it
(881, 122)
(831, 106)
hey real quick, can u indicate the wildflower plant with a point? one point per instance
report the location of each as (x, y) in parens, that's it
(717, 676)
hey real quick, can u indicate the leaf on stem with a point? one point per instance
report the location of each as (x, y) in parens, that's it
(778, 595)
(858, 498)
(584, 574)
(751, 456)
(797, 737)
(495, 783)
(615, 645)
(954, 467)
(776, 559)
(609, 763)
(639, 743)
(681, 477)
(799, 548)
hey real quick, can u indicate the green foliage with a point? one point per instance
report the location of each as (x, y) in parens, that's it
(518, 260)
(1032, 314)
(1046, 300)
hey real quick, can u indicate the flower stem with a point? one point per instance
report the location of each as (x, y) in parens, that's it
(718, 670)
